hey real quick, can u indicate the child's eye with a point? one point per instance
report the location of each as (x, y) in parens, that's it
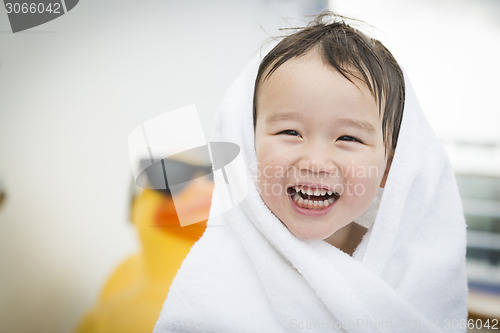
(290, 132)
(349, 138)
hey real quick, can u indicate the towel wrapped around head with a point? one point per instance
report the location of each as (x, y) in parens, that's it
(249, 273)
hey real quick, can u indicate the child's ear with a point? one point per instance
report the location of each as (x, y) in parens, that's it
(387, 168)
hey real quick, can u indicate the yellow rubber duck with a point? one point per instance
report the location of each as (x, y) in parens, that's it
(132, 298)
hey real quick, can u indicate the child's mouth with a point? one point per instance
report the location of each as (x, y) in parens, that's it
(312, 198)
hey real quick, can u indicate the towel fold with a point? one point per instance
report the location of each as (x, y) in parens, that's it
(248, 273)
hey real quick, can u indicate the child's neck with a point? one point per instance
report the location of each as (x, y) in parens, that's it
(348, 238)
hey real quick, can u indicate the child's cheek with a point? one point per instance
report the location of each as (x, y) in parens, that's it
(271, 174)
(362, 180)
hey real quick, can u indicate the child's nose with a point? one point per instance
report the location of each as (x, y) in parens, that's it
(318, 158)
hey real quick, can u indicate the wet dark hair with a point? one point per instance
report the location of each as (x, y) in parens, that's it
(352, 54)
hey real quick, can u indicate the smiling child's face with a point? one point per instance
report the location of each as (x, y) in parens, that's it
(319, 144)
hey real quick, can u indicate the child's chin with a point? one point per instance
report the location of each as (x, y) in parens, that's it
(311, 236)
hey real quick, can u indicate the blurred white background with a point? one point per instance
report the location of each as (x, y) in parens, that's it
(72, 90)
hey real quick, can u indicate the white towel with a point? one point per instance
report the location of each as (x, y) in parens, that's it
(248, 273)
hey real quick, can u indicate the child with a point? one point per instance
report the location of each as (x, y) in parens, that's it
(318, 113)
(321, 127)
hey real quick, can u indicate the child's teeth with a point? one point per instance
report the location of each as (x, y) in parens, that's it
(311, 203)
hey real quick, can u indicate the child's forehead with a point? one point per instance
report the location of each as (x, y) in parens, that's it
(314, 58)
(310, 66)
